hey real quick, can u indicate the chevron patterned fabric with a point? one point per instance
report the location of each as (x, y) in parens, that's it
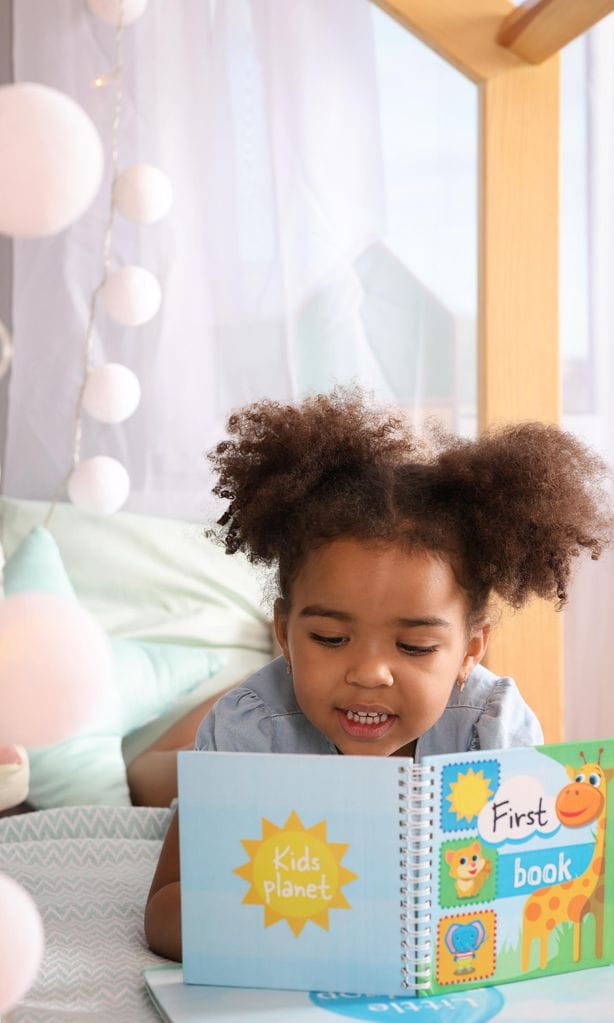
(88, 870)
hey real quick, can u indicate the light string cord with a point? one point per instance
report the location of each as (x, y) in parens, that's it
(106, 252)
(89, 337)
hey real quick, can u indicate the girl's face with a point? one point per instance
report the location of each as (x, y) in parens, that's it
(376, 638)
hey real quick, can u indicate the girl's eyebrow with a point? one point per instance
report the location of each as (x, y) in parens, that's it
(315, 611)
(414, 623)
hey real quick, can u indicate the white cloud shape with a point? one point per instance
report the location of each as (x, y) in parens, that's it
(519, 809)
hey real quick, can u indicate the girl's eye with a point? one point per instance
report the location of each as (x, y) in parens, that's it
(328, 640)
(416, 651)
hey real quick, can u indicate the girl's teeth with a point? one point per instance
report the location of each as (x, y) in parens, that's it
(366, 718)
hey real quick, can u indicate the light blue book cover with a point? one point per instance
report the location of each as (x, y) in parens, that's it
(292, 869)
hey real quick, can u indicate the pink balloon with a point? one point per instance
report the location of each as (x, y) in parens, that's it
(21, 942)
(55, 666)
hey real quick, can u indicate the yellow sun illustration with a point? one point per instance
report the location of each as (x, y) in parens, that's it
(295, 873)
(469, 793)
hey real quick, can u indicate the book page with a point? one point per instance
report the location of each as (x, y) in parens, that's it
(552, 1000)
(521, 883)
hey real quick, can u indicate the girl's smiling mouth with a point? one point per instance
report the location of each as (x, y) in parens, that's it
(365, 723)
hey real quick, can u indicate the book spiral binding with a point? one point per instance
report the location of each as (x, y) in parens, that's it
(416, 792)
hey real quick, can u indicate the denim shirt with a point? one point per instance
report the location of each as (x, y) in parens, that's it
(262, 716)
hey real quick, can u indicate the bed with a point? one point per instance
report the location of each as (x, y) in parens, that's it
(89, 870)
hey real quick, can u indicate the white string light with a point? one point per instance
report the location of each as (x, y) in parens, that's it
(143, 193)
(131, 295)
(50, 141)
(51, 160)
(118, 77)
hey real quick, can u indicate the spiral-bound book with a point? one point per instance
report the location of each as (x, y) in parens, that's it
(381, 876)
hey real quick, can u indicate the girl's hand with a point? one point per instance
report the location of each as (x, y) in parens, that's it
(163, 910)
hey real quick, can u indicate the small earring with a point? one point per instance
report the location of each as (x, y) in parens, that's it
(460, 682)
(288, 668)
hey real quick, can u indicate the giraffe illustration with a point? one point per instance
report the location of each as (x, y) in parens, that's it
(579, 803)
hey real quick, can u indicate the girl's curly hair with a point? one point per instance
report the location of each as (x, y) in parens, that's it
(510, 510)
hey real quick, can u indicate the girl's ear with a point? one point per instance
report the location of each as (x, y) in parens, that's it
(476, 647)
(280, 625)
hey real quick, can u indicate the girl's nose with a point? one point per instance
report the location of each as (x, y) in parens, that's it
(369, 674)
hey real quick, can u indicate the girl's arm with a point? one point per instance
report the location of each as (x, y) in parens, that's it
(152, 776)
(163, 910)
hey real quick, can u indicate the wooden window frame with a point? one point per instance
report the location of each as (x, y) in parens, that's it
(497, 46)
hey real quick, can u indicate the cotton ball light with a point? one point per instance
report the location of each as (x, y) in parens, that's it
(55, 667)
(99, 484)
(109, 10)
(132, 295)
(22, 942)
(143, 193)
(112, 393)
(51, 160)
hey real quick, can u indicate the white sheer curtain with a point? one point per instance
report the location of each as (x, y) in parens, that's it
(264, 116)
(324, 230)
(587, 318)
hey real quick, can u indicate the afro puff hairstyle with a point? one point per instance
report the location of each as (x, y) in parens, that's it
(510, 510)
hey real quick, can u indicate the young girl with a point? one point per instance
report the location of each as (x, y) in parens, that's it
(387, 554)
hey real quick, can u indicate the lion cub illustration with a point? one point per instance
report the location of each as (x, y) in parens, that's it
(468, 868)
